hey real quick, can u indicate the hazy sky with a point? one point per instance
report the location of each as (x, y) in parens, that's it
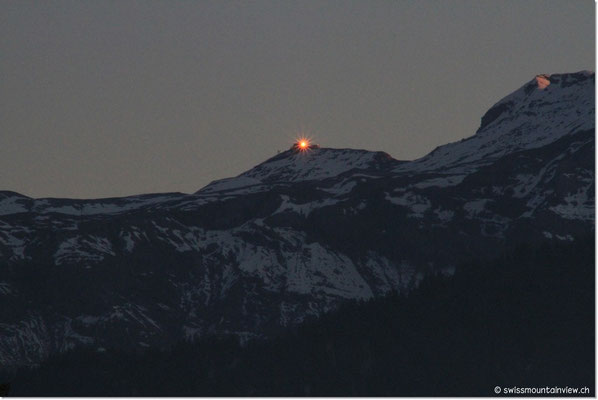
(112, 98)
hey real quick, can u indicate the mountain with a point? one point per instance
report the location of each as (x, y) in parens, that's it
(395, 345)
(294, 237)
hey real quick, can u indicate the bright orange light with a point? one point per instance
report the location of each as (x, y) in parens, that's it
(303, 144)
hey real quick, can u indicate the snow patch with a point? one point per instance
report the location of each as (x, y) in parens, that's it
(473, 208)
(416, 203)
(578, 205)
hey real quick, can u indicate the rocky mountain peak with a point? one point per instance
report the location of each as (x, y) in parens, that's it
(296, 165)
(540, 112)
(295, 236)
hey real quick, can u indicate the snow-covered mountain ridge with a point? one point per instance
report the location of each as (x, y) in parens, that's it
(297, 166)
(540, 112)
(294, 236)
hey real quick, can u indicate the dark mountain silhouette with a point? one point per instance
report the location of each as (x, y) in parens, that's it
(524, 319)
(296, 236)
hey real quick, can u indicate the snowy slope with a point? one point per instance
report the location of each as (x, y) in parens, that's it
(298, 166)
(295, 236)
(540, 112)
(14, 203)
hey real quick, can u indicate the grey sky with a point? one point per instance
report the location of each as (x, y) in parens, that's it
(112, 98)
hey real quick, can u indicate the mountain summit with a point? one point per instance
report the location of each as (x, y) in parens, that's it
(540, 112)
(294, 236)
(313, 164)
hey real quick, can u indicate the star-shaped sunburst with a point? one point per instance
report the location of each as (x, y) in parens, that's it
(303, 144)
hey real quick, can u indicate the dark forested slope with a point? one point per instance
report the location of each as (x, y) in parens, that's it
(525, 319)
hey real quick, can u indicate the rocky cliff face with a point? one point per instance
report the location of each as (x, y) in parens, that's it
(294, 236)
